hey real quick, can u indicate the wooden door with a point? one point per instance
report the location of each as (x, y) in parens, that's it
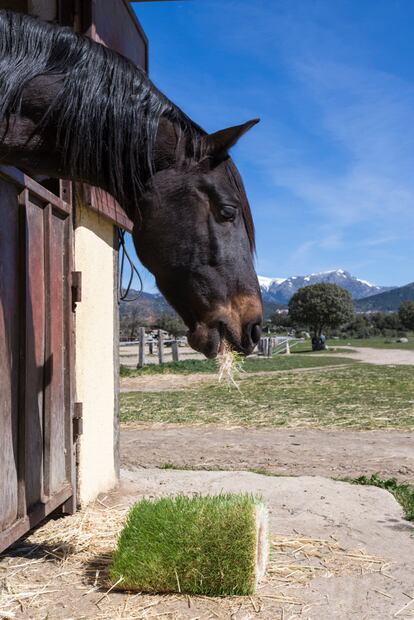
(37, 464)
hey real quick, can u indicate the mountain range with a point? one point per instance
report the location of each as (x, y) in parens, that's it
(276, 293)
(147, 306)
(280, 290)
(389, 301)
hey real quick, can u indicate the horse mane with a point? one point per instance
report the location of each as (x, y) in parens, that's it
(107, 110)
(106, 113)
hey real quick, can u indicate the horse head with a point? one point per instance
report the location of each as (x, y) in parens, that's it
(197, 237)
(76, 109)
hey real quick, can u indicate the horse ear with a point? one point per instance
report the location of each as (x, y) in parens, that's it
(218, 143)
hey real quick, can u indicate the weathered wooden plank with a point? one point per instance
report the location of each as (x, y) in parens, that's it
(160, 346)
(37, 514)
(34, 355)
(9, 353)
(115, 24)
(174, 351)
(23, 181)
(56, 325)
(69, 337)
(141, 348)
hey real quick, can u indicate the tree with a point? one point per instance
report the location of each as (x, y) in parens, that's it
(392, 321)
(360, 327)
(130, 324)
(406, 314)
(279, 320)
(171, 324)
(320, 306)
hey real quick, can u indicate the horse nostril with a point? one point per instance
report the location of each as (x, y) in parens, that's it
(256, 332)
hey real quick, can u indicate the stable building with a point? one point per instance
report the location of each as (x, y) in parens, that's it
(59, 366)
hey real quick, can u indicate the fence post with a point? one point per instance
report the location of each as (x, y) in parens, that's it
(141, 348)
(160, 346)
(287, 347)
(269, 348)
(174, 351)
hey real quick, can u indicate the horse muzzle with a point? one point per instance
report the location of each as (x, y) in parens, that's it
(238, 323)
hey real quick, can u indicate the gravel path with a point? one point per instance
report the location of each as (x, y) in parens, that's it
(382, 356)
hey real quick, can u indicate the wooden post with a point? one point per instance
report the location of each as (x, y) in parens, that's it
(160, 346)
(269, 348)
(174, 351)
(287, 347)
(141, 348)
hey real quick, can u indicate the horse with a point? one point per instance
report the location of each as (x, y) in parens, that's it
(72, 108)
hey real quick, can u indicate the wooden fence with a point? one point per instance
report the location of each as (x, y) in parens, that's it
(148, 344)
(273, 345)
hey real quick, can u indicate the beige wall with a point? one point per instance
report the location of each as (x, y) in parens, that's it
(94, 257)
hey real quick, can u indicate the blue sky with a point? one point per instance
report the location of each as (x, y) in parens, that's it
(330, 169)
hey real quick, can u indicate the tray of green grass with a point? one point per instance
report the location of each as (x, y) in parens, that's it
(210, 545)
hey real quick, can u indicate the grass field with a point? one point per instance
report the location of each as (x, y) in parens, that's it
(253, 364)
(357, 396)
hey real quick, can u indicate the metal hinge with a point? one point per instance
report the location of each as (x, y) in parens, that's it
(76, 284)
(77, 421)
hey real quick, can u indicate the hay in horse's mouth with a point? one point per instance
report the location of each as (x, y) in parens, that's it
(229, 362)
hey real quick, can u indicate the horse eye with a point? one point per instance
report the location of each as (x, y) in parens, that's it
(228, 213)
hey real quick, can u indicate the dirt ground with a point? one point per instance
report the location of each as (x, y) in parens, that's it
(336, 454)
(295, 452)
(339, 551)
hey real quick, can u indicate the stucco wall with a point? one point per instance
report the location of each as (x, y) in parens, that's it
(95, 314)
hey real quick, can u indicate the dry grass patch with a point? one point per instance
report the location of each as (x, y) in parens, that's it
(358, 396)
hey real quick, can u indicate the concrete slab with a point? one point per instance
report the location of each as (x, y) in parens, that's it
(357, 517)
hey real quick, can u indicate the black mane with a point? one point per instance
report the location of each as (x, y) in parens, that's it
(107, 110)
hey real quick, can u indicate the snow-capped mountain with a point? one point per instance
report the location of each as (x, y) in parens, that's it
(266, 283)
(280, 290)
